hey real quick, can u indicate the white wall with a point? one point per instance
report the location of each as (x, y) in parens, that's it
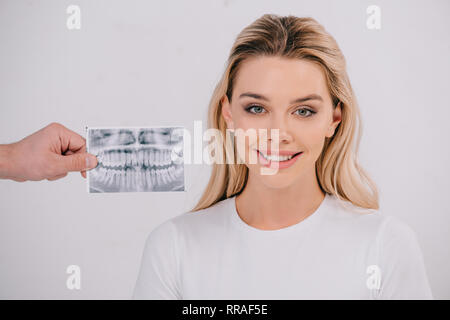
(144, 63)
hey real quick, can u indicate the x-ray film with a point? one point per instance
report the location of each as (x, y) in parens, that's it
(136, 159)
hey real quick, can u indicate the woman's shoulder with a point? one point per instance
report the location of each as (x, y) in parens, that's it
(376, 222)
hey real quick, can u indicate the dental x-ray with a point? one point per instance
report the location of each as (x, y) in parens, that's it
(136, 159)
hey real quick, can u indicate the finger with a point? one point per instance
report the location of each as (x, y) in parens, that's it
(68, 152)
(83, 174)
(71, 141)
(57, 177)
(75, 162)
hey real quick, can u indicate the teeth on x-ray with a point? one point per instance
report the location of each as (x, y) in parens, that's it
(136, 159)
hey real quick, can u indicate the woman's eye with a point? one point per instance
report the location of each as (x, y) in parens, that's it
(258, 109)
(254, 107)
(307, 114)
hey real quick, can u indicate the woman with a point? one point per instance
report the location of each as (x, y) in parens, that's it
(312, 230)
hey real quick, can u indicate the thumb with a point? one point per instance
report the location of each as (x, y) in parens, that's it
(79, 162)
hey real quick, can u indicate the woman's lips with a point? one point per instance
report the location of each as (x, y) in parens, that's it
(278, 164)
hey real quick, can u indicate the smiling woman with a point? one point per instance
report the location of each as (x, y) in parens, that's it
(287, 65)
(313, 229)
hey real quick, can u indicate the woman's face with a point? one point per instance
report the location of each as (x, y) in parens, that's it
(264, 97)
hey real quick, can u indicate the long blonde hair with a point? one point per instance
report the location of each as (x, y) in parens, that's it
(337, 168)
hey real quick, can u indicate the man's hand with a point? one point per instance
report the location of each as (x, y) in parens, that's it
(49, 153)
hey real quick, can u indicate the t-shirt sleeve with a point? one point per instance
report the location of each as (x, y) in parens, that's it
(158, 274)
(402, 268)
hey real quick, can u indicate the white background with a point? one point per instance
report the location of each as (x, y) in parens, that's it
(145, 63)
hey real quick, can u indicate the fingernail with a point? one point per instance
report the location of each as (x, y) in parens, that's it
(91, 162)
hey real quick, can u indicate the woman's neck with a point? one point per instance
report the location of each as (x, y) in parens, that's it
(267, 208)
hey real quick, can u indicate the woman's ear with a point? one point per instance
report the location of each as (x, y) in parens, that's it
(337, 113)
(226, 112)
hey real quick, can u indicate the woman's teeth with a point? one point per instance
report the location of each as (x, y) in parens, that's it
(276, 158)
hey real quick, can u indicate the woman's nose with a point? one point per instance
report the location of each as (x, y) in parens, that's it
(280, 124)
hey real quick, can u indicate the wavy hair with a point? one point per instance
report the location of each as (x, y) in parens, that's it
(337, 169)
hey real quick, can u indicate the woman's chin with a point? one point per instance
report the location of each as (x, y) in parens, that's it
(278, 180)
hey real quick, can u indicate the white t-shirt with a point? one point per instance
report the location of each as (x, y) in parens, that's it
(335, 253)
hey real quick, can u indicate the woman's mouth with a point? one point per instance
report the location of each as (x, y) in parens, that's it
(278, 161)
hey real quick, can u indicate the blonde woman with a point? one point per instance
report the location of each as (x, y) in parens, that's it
(314, 229)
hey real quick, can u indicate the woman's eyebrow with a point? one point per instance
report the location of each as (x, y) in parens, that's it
(312, 96)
